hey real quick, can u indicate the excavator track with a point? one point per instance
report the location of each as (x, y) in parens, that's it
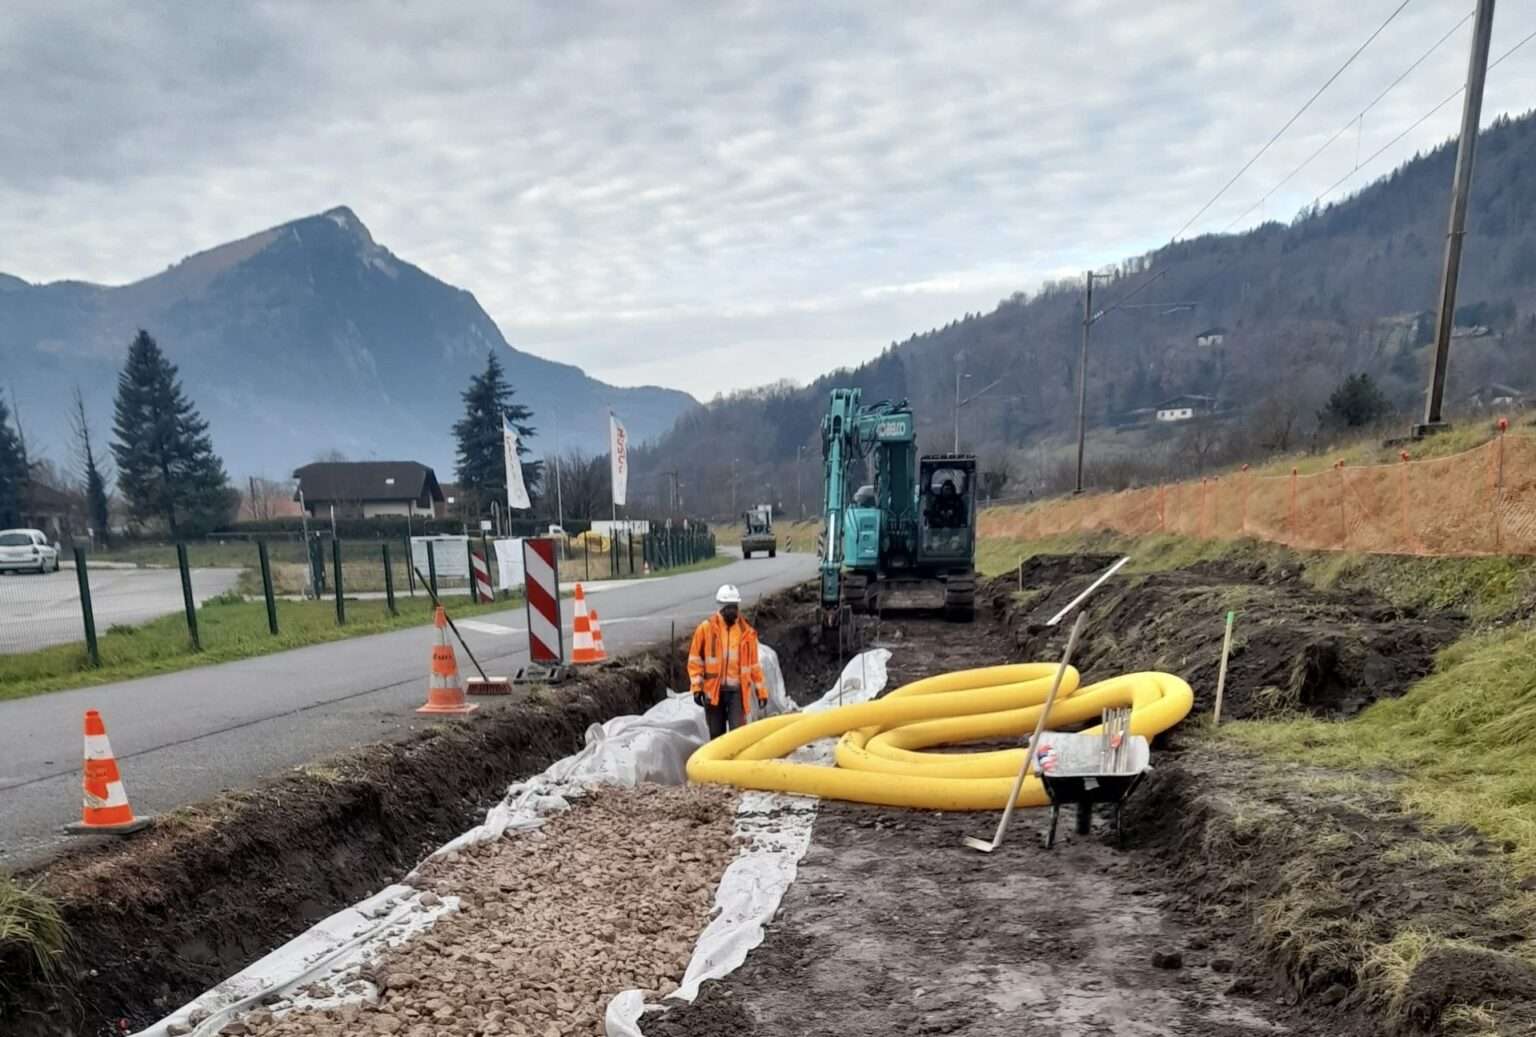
(960, 597)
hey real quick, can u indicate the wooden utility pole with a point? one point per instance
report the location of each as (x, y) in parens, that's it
(1082, 380)
(1471, 114)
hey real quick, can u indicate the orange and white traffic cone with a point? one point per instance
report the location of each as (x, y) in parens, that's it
(445, 693)
(106, 801)
(597, 639)
(583, 648)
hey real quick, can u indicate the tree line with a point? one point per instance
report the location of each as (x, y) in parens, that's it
(167, 471)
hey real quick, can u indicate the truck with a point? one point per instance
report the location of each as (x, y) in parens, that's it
(757, 532)
(893, 521)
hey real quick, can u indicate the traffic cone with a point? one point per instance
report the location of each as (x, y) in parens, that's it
(583, 648)
(597, 639)
(444, 692)
(106, 801)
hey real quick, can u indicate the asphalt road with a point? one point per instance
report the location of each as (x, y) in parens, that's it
(39, 610)
(182, 737)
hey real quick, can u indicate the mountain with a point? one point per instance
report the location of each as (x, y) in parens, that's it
(1346, 288)
(303, 339)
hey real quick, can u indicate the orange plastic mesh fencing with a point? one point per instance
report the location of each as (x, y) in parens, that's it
(1228, 503)
(1482, 501)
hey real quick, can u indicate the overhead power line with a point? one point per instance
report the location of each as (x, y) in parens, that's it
(1421, 120)
(1291, 121)
(1356, 120)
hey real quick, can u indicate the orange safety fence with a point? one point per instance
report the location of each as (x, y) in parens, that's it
(1479, 502)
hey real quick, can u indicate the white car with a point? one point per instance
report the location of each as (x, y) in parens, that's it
(27, 549)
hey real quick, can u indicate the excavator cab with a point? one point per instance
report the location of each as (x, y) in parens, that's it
(947, 513)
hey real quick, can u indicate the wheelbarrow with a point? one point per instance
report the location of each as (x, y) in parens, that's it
(1076, 770)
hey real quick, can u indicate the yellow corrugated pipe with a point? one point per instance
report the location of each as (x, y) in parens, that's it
(879, 752)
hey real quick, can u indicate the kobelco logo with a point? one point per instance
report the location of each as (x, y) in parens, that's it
(891, 429)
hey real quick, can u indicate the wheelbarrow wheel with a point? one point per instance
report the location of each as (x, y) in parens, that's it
(1084, 817)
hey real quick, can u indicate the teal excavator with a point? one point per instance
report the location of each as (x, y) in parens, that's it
(894, 523)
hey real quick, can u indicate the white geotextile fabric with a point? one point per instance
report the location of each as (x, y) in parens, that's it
(753, 885)
(628, 750)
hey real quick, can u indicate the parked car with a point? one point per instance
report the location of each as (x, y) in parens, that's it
(27, 549)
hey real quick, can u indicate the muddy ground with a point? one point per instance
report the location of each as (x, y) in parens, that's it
(1294, 648)
(1248, 900)
(893, 927)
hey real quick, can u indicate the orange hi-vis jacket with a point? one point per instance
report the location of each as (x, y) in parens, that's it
(720, 653)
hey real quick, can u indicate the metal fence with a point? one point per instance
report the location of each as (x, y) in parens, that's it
(150, 600)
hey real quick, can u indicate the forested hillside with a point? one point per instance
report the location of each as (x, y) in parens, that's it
(1342, 288)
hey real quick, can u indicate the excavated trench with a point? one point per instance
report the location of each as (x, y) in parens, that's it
(1081, 938)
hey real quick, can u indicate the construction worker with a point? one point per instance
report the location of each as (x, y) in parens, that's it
(723, 669)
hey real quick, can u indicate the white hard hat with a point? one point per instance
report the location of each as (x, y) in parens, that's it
(728, 594)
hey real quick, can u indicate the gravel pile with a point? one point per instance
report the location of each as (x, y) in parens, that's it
(608, 896)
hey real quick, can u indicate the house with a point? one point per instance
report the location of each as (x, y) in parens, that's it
(1495, 394)
(368, 489)
(1185, 408)
(59, 513)
(1211, 337)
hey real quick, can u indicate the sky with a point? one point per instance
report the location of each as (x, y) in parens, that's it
(708, 197)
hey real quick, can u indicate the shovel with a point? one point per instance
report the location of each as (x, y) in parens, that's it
(1034, 744)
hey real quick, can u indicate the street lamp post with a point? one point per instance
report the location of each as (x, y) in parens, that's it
(799, 485)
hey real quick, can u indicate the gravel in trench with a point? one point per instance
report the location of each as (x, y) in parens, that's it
(608, 896)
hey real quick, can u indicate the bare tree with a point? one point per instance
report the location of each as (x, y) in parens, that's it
(264, 498)
(1199, 444)
(1275, 421)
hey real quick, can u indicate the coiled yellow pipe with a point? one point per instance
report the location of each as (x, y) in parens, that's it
(879, 752)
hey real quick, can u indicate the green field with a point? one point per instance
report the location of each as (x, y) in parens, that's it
(229, 627)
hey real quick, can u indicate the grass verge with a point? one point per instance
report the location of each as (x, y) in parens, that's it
(1484, 588)
(1461, 740)
(32, 934)
(230, 628)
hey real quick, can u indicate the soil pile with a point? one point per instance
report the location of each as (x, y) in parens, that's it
(1355, 905)
(1294, 648)
(607, 896)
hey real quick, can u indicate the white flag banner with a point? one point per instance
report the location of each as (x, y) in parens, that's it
(618, 454)
(517, 492)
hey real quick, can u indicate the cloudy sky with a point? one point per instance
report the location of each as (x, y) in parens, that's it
(704, 200)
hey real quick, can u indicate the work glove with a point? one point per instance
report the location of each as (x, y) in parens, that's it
(698, 698)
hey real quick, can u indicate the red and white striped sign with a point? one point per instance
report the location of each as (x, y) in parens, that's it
(482, 573)
(541, 591)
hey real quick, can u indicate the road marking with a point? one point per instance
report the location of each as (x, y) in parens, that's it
(487, 628)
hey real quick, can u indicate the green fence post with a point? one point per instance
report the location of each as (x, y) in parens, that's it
(410, 566)
(266, 585)
(341, 603)
(587, 544)
(389, 581)
(87, 614)
(432, 569)
(186, 596)
(629, 542)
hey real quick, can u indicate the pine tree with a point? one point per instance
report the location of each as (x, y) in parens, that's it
(480, 469)
(13, 470)
(91, 475)
(1356, 402)
(165, 461)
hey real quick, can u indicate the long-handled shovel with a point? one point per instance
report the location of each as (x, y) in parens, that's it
(1034, 745)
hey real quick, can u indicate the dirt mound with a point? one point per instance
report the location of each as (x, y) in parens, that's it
(1329, 888)
(1294, 647)
(159, 918)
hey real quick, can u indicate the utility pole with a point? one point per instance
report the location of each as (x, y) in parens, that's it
(958, 357)
(1082, 380)
(1471, 114)
(799, 484)
(734, 462)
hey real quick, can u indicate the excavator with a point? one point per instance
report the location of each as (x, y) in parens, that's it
(910, 531)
